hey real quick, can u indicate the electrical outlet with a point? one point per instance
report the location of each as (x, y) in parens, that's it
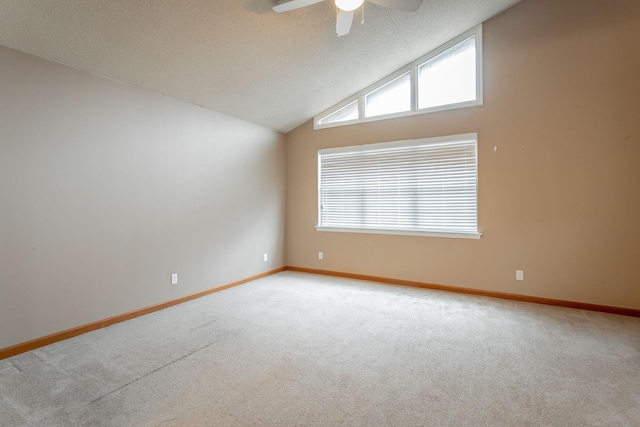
(266, 257)
(519, 274)
(320, 255)
(174, 279)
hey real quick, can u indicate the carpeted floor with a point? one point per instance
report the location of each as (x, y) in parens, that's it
(300, 349)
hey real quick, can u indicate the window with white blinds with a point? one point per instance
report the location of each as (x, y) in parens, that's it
(425, 186)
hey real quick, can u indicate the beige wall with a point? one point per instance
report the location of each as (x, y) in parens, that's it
(105, 190)
(560, 198)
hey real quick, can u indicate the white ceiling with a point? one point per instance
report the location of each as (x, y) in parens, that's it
(237, 57)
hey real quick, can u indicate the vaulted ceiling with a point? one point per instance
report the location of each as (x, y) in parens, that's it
(236, 57)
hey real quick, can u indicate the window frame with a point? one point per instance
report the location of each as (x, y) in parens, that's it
(411, 68)
(405, 143)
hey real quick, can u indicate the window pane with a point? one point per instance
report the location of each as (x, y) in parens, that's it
(450, 77)
(349, 112)
(393, 97)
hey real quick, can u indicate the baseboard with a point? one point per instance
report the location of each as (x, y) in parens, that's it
(514, 297)
(70, 333)
(73, 332)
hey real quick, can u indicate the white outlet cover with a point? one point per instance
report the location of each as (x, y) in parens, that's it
(266, 257)
(174, 279)
(519, 274)
(320, 255)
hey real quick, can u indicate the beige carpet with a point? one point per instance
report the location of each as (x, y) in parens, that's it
(299, 349)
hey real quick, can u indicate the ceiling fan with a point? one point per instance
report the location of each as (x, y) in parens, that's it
(347, 7)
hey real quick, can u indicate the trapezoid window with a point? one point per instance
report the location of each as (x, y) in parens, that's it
(392, 97)
(448, 78)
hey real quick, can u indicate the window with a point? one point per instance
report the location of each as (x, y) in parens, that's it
(448, 77)
(346, 113)
(425, 187)
(393, 97)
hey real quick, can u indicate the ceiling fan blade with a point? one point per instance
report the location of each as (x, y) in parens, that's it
(294, 4)
(343, 23)
(406, 5)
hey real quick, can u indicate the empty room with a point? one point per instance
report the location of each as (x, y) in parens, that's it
(320, 212)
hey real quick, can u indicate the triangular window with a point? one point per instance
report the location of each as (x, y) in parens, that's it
(344, 114)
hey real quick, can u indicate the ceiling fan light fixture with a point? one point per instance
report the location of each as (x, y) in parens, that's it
(348, 5)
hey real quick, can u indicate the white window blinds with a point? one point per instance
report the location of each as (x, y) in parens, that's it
(426, 186)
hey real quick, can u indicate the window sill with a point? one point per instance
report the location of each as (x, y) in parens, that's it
(401, 232)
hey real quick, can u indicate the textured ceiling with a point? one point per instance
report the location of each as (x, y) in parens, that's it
(237, 57)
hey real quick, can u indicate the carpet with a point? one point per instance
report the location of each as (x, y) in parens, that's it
(297, 349)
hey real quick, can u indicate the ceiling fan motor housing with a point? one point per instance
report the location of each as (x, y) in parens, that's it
(348, 5)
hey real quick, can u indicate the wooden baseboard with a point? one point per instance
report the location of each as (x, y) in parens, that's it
(514, 297)
(70, 333)
(73, 332)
